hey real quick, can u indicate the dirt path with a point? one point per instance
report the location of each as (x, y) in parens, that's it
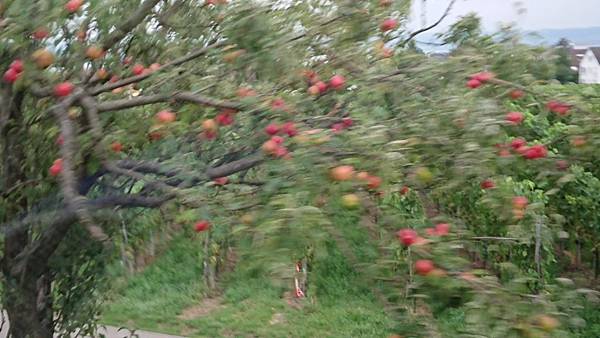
(111, 332)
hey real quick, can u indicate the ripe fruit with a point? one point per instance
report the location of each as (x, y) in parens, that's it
(117, 147)
(10, 76)
(272, 129)
(535, 152)
(73, 6)
(201, 226)
(101, 74)
(165, 116)
(40, 33)
(277, 139)
(547, 323)
(373, 182)
(558, 107)
(473, 83)
(483, 76)
(520, 202)
(578, 141)
(350, 201)
(224, 119)
(347, 121)
(17, 66)
(388, 25)
(342, 173)
(442, 229)
(154, 67)
(94, 52)
(424, 175)
(209, 125)
(407, 236)
(515, 117)
(81, 35)
(322, 86)
(314, 90)
(221, 180)
(337, 82)
(270, 147)
(280, 151)
(278, 104)
(363, 176)
(209, 134)
(56, 167)
(516, 94)
(138, 69)
(487, 184)
(289, 128)
(337, 127)
(404, 190)
(246, 92)
(43, 58)
(518, 143)
(63, 89)
(423, 267)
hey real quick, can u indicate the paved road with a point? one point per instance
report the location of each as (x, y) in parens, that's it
(111, 332)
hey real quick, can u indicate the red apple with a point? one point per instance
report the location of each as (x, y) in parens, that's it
(322, 86)
(278, 104)
(388, 25)
(337, 82)
(10, 76)
(373, 182)
(165, 116)
(272, 129)
(515, 117)
(73, 6)
(245, 92)
(314, 90)
(520, 202)
(487, 184)
(342, 173)
(289, 128)
(483, 76)
(209, 134)
(430, 232)
(423, 267)
(281, 151)
(277, 139)
(516, 94)
(270, 146)
(221, 180)
(442, 229)
(154, 67)
(337, 127)
(347, 121)
(56, 167)
(558, 107)
(518, 143)
(535, 152)
(562, 165)
(40, 33)
(17, 66)
(209, 124)
(94, 52)
(63, 89)
(117, 147)
(138, 69)
(224, 119)
(201, 226)
(473, 83)
(407, 236)
(404, 190)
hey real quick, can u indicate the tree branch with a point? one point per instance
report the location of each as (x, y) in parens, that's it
(128, 25)
(137, 78)
(425, 29)
(181, 96)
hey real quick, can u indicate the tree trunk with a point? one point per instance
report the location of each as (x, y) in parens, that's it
(29, 308)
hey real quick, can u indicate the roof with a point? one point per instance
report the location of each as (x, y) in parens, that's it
(596, 52)
(576, 56)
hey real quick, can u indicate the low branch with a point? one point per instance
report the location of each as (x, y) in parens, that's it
(137, 78)
(180, 96)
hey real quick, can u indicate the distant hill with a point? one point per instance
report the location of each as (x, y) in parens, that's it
(589, 36)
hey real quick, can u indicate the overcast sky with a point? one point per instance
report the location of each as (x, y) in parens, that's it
(534, 14)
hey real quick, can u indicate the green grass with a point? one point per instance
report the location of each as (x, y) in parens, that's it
(154, 299)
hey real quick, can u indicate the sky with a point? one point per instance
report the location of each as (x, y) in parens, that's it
(528, 14)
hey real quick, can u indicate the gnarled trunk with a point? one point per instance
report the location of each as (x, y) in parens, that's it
(29, 308)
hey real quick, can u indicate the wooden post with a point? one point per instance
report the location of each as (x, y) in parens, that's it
(538, 247)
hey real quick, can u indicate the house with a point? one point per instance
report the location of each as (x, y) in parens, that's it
(589, 67)
(576, 55)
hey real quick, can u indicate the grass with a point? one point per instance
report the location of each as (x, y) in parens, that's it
(154, 299)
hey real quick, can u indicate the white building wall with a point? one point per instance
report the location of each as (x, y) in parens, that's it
(589, 68)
